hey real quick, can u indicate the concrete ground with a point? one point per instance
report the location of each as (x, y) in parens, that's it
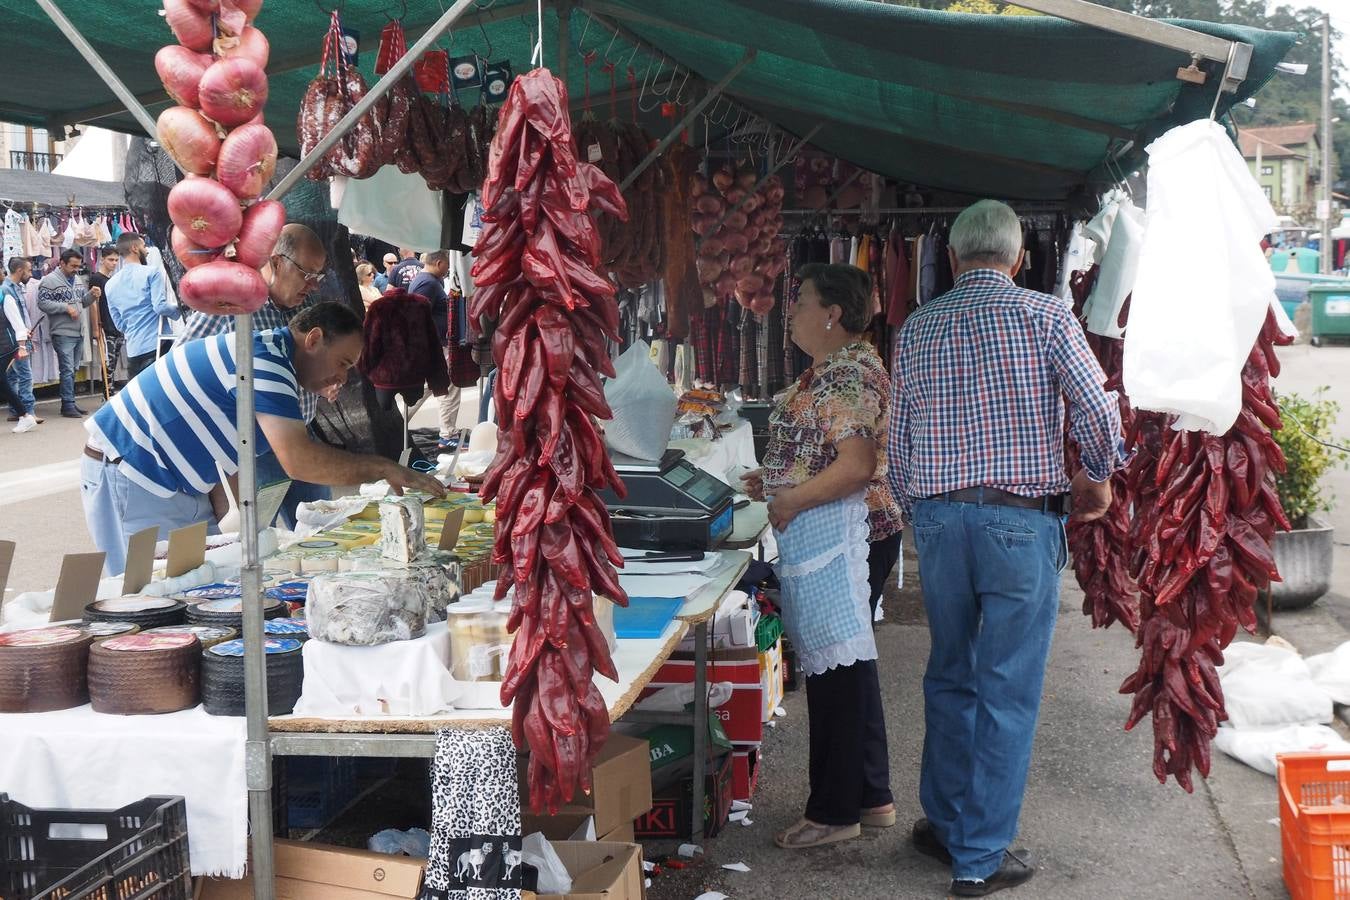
(1099, 823)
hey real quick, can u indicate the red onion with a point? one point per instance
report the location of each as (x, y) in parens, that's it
(258, 235)
(189, 254)
(762, 304)
(746, 179)
(736, 242)
(723, 180)
(709, 270)
(247, 160)
(713, 245)
(702, 223)
(737, 220)
(233, 91)
(180, 70)
(742, 265)
(190, 25)
(189, 139)
(709, 205)
(726, 283)
(206, 211)
(249, 8)
(750, 283)
(734, 196)
(751, 233)
(250, 44)
(752, 203)
(223, 289)
(743, 297)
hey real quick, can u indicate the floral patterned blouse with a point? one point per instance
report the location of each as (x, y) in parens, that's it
(846, 397)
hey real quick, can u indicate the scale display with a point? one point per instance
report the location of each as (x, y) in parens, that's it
(670, 504)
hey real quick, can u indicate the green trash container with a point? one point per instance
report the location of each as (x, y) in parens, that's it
(1279, 261)
(1307, 260)
(1330, 311)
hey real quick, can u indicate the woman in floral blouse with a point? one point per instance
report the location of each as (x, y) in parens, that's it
(824, 476)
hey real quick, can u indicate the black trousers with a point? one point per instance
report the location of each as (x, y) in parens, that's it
(844, 768)
(138, 364)
(850, 766)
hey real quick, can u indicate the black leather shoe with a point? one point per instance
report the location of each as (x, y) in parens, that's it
(73, 412)
(925, 840)
(1016, 869)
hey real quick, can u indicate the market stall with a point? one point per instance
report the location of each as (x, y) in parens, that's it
(1066, 125)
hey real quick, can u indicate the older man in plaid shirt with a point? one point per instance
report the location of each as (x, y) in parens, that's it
(983, 379)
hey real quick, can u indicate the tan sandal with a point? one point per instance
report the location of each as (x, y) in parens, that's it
(879, 817)
(806, 833)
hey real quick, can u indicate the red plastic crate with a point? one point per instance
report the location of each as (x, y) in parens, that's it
(1315, 824)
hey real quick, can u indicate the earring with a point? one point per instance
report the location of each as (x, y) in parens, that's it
(829, 325)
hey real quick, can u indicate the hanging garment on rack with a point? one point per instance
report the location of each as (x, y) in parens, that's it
(401, 347)
(928, 270)
(897, 279)
(748, 375)
(475, 817)
(32, 241)
(13, 234)
(46, 368)
(729, 343)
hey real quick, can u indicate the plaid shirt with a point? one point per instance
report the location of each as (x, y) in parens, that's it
(202, 325)
(980, 383)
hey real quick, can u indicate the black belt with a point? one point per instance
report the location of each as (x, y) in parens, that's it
(1056, 504)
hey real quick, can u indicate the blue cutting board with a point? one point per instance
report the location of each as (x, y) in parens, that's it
(645, 617)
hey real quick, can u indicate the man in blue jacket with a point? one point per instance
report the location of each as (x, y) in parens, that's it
(137, 299)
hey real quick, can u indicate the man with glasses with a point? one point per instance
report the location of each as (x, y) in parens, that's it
(294, 271)
(382, 276)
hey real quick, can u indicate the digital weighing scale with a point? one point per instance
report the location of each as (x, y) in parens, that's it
(671, 504)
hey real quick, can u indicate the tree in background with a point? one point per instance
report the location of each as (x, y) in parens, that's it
(1283, 100)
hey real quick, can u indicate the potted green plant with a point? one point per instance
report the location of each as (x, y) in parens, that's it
(1303, 554)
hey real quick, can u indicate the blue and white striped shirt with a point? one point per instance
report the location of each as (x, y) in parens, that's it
(175, 422)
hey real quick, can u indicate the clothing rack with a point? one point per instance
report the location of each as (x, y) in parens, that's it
(1048, 209)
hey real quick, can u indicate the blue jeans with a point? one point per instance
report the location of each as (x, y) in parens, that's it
(270, 472)
(68, 359)
(115, 508)
(991, 589)
(20, 376)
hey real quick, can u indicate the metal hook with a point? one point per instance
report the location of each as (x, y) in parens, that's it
(483, 30)
(605, 55)
(585, 29)
(679, 95)
(646, 81)
(401, 16)
(666, 92)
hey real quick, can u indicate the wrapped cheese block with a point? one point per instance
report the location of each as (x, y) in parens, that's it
(208, 635)
(366, 608)
(145, 611)
(145, 674)
(437, 572)
(43, 669)
(223, 676)
(102, 631)
(402, 528)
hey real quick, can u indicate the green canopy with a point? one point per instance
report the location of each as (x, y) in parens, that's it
(1014, 106)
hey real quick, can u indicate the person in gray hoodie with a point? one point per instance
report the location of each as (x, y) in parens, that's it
(62, 302)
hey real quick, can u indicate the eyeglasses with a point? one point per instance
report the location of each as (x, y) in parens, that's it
(314, 278)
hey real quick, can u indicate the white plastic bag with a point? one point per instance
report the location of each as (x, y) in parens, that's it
(643, 404)
(1203, 285)
(393, 206)
(1257, 747)
(1119, 258)
(1331, 673)
(1266, 686)
(535, 850)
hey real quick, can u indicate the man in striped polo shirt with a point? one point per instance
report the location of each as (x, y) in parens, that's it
(154, 449)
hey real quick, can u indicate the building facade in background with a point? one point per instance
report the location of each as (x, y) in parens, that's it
(1286, 161)
(25, 147)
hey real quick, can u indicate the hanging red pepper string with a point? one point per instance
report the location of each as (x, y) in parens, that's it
(633, 92)
(608, 68)
(587, 59)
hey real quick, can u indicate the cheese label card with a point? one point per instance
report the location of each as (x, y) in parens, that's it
(77, 585)
(6, 559)
(140, 560)
(454, 520)
(187, 549)
(270, 498)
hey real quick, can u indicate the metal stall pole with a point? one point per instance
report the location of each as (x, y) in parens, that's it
(688, 119)
(364, 105)
(257, 751)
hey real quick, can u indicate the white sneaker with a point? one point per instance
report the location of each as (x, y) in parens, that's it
(26, 423)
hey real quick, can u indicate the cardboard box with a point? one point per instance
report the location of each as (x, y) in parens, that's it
(600, 871)
(621, 785)
(672, 805)
(771, 678)
(744, 772)
(576, 827)
(741, 716)
(308, 871)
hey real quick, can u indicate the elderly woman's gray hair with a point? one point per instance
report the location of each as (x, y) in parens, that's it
(987, 231)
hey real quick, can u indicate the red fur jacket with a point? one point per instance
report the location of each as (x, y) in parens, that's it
(402, 349)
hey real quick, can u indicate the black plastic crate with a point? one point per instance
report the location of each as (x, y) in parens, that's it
(317, 788)
(143, 855)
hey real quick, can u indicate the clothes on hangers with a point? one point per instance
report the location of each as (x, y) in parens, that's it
(13, 234)
(401, 347)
